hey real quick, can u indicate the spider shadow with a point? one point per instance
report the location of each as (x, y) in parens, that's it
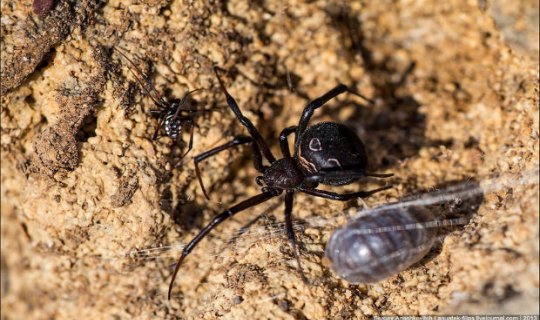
(188, 213)
(394, 128)
(246, 228)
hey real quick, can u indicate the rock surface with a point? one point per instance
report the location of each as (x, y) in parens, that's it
(94, 211)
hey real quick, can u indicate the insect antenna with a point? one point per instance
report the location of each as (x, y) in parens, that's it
(157, 99)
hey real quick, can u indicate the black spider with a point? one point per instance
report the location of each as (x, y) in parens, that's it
(327, 153)
(173, 116)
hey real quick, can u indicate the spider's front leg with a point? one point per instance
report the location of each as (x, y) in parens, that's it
(253, 132)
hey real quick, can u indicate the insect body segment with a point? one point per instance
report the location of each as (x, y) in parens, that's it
(381, 243)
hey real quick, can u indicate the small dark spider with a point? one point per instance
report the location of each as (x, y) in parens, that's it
(327, 153)
(173, 116)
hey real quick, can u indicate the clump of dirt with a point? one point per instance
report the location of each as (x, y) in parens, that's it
(94, 211)
(56, 147)
(26, 41)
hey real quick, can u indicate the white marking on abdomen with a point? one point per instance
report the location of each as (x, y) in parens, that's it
(315, 144)
(334, 160)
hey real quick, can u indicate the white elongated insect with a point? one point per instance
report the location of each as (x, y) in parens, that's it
(388, 239)
(381, 243)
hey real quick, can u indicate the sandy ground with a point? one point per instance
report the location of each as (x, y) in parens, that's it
(94, 213)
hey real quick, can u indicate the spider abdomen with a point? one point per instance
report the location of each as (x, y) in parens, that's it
(381, 243)
(329, 146)
(172, 126)
(172, 123)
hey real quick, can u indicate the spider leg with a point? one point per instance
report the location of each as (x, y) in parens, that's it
(190, 143)
(184, 98)
(253, 132)
(157, 99)
(289, 197)
(257, 158)
(283, 143)
(236, 141)
(183, 101)
(321, 175)
(191, 119)
(341, 196)
(317, 103)
(253, 201)
(160, 124)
